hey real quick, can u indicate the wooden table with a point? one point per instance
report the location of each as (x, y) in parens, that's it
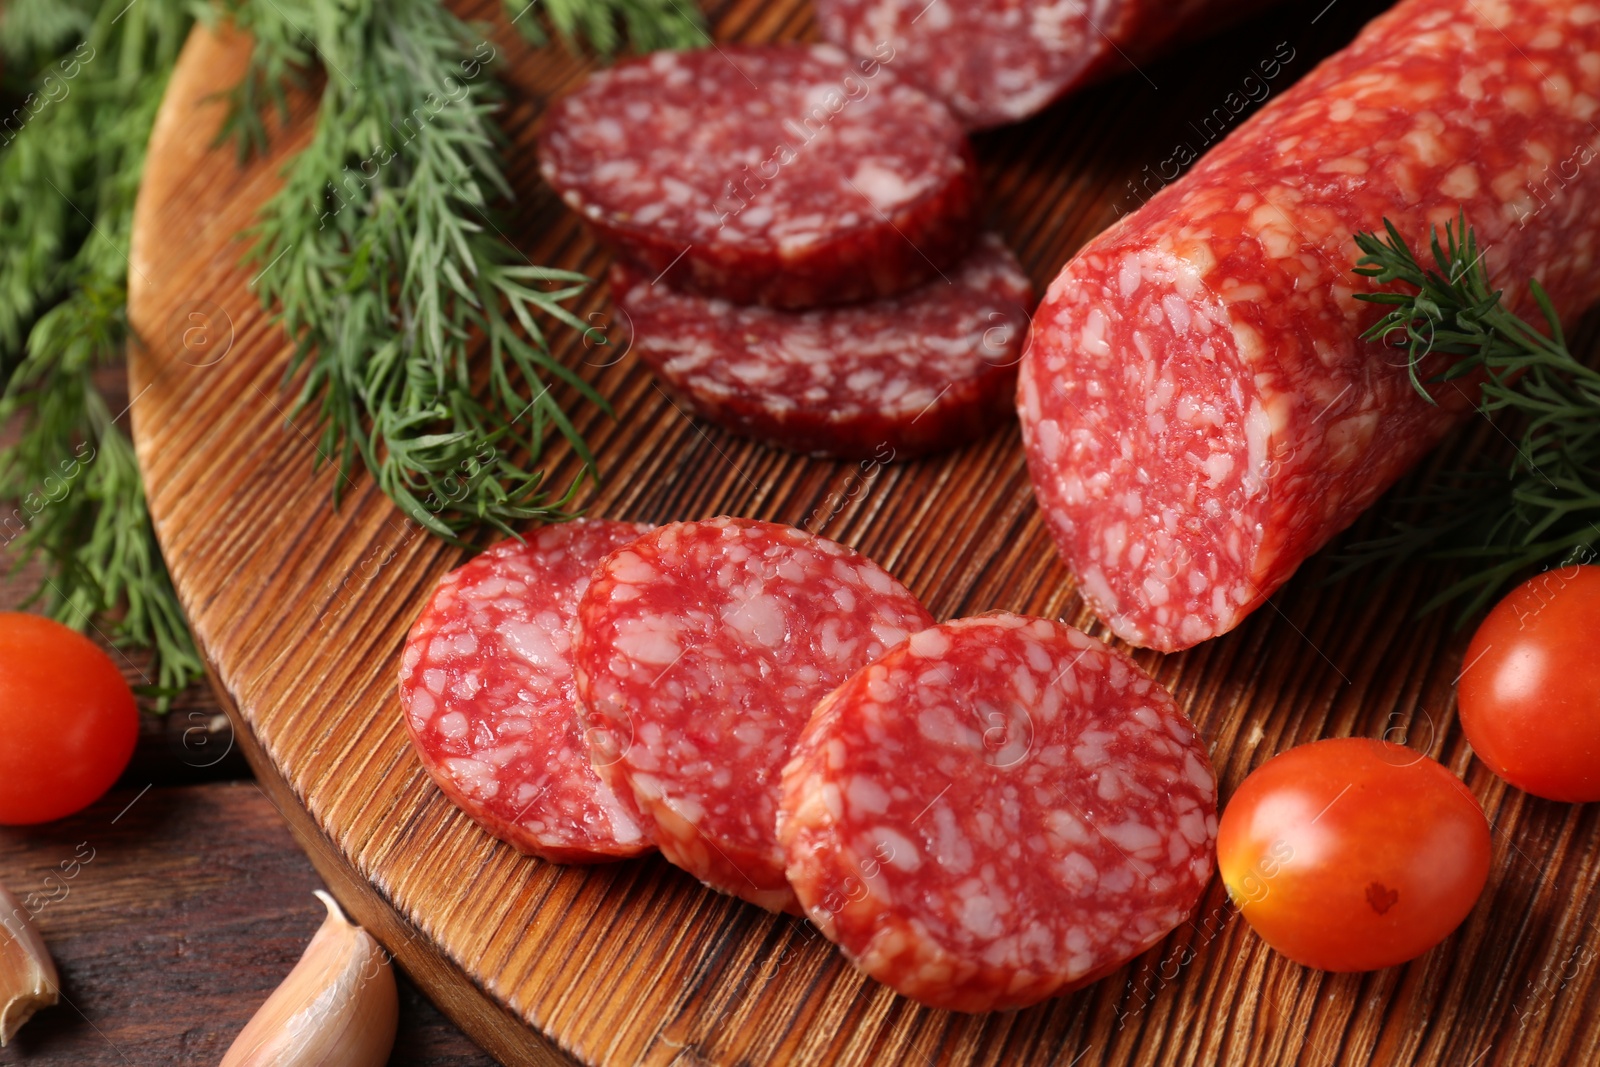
(193, 904)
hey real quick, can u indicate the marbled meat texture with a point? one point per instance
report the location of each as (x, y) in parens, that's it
(789, 175)
(998, 811)
(1000, 61)
(702, 649)
(1199, 412)
(894, 377)
(486, 689)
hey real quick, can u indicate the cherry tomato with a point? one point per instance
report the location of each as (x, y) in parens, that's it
(1530, 693)
(67, 720)
(1352, 854)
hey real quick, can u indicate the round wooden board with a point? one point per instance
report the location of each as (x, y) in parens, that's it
(301, 608)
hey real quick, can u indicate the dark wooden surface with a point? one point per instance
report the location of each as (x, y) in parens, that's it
(193, 905)
(636, 964)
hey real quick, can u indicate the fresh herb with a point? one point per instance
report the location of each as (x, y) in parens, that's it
(385, 264)
(34, 32)
(649, 24)
(1545, 508)
(73, 151)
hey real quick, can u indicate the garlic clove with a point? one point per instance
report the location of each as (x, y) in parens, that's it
(338, 1007)
(28, 979)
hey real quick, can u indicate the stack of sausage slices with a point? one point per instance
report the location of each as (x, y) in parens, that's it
(981, 813)
(799, 255)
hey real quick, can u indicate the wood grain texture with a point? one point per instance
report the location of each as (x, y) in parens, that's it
(302, 609)
(172, 913)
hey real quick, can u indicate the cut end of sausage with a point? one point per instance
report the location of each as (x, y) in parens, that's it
(998, 811)
(786, 175)
(992, 63)
(1148, 445)
(707, 645)
(486, 688)
(888, 379)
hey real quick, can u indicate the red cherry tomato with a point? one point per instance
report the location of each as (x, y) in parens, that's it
(1352, 854)
(67, 720)
(1530, 693)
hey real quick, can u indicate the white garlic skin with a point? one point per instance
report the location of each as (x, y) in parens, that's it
(28, 975)
(28, 979)
(337, 1008)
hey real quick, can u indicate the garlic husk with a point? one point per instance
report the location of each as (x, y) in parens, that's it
(337, 1008)
(28, 979)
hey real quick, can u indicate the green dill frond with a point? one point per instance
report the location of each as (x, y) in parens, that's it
(604, 24)
(68, 179)
(33, 31)
(383, 261)
(1542, 507)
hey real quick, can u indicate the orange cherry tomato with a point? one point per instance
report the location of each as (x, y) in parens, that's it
(1530, 693)
(1351, 854)
(68, 722)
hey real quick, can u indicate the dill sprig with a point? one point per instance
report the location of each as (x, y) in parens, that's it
(601, 24)
(68, 176)
(383, 261)
(1544, 506)
(33, 32)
